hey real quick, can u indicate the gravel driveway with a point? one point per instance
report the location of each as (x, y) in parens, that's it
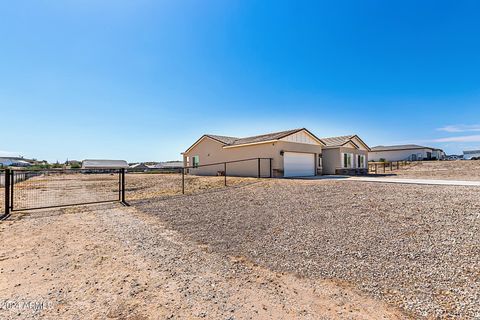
(416, 247)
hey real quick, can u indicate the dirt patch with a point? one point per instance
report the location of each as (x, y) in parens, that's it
(112, 262)
(449, 170)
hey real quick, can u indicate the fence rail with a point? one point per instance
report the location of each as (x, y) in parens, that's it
(39, 189)
(229, 168)
(375, 167)
(24, 189)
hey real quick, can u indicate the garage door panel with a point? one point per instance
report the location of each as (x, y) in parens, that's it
(296, 164)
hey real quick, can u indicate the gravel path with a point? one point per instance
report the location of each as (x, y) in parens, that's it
(416, 247)
(109, 261)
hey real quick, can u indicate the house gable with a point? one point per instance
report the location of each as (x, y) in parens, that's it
(360, 144)
(202, 138)
(301, 137)
(350, 144)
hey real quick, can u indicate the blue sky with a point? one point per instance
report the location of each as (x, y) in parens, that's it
(142, 80)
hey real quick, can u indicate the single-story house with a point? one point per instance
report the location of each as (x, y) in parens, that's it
(408, 152)
(469, 154)
(104, 164)
(294, 153)
(345, 155)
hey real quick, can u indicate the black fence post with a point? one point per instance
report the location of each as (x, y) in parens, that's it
(120, 186)
(258, 167)
(12, 188)
(123, 187)
(183, 180)
(271, 171)
(225, 173)
(7, 192)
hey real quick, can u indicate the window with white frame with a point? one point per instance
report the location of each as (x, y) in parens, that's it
(195, 161)
(361, 161)
(347, 160)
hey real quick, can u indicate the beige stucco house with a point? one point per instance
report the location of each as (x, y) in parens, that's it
(293, 153)
(409, 152)
(345, 155)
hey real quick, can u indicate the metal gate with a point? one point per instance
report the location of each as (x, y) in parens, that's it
(40, 189)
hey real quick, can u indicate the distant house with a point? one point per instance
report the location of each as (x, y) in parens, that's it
(345, 155)
(14, 162)
(469, 154)
(408, 152)
(168, 164)
(104, 164)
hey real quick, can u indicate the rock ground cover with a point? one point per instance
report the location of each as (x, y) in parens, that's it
(413, 246)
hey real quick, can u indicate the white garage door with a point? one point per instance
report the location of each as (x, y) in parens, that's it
(297, 164)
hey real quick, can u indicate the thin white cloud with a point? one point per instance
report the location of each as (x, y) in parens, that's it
(460, 128)
(471, 138)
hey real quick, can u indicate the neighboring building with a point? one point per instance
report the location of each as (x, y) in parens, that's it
(345, 155)
(168, 165)
(14, 162)
(294, 153)
(104, 164)
(469, 154)
(408, 152)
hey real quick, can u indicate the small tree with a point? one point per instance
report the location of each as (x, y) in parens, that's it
(75, 165)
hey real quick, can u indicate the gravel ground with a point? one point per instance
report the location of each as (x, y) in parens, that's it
(109, 261)
(416, 247)
(451, 170)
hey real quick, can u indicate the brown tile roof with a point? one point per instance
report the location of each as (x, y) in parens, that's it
(232, 141)
(223, 139)
(337, 141)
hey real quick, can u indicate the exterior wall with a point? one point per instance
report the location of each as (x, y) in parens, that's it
(332, 158)
(471, 154)
(399, 155)
(438, 154)
(210, 151)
